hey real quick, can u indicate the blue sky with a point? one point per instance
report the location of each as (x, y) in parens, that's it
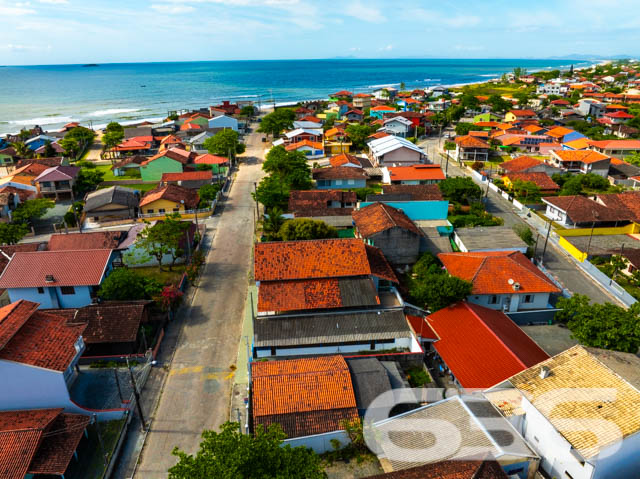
(87, 31)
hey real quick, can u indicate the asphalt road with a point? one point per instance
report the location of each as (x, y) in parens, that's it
(555, 260)
(195, 395)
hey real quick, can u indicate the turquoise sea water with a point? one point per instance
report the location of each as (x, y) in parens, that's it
(51, 96)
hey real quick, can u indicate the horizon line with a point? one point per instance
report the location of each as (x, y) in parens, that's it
(346, 58)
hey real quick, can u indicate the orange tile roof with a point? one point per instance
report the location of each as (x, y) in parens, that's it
(479, 134)
(580, 156)
(378, 134)
(523, 113)
(171, 139)
(307, 396)
(471, 142)
(490, 124)
(329, 258)
(174, 193)
(383, 108)
(378, 217)
(334, 132)
(559, 132)
(190, 126)
(617, 144)
(481, 346)
(343, 159)
(12, 317)
(416, 172)
(209, 159)
(579, 144)
(300, 144)
(520, 163)
(187, 176)
(532, 128)
(490, 272)
(541, 180)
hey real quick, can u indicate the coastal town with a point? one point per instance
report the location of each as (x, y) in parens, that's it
(395, 283)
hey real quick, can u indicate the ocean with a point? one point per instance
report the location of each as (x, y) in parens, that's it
(53, 95)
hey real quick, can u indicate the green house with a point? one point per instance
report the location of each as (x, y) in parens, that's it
(488, 116)
(152, 169)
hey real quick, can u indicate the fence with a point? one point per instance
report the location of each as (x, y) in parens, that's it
(581, 256)
(633, 228)
(320, 443)
(609, 284)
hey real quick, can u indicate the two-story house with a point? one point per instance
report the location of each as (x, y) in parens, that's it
(503, 280)
(56, 279)
(169, 199)
(57, 182)
(398, 126)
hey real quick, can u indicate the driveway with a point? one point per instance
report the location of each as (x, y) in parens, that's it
(196, 393)
(53, 216)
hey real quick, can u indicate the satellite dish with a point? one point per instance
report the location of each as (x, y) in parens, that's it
(510, 281)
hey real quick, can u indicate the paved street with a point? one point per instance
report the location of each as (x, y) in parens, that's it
(555, 260)
(196, 393)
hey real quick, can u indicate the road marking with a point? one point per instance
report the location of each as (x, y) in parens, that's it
(208, 372)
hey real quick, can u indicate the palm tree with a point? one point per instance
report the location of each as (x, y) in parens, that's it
(22, 150)
(272, 223)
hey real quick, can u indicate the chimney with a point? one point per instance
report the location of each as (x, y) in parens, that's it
(545, 372)
(49, 278)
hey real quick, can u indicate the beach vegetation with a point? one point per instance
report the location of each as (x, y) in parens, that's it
(470, 102)
(286, 170)
(358, 134)
(499, 104)
(76, 141)
(113, 135)
(230, 453)
(277, 121)
(272, 223)
(22, 150)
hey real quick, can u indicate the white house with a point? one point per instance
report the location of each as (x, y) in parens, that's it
(579, 411)
(196, 143)
(398, 126)
(393, 150)
(504, 280)
(224, 121)
(385, 93)
(581, 161)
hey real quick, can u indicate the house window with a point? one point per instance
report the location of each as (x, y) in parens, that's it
(176, 209)
(160, 210)
(493, 299)
(338, 182)
(351, 182)
(46, 184)
(528, 298)
(150, 210)
(40, 290)
(67, 290)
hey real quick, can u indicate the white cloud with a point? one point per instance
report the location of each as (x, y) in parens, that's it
(12, 47)
(55, 2)
(437, 18)
(355, 49)
(388, 48)
(15, 11)
(173, 9)
(367, 13)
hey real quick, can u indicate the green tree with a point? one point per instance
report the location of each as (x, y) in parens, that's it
(49, 151)
(208, 193)
(272, 223)
(248, 111)
(77, 140)
(604, 326)
(595, 182)
(276, 121)
(224, 142)
(527, 190)
(470, 102)
(230, 454)
(87, 180)
(30, 210)
(70, 146)
(449, 145)
(22, 150)
(633, 158)
(358, 134)
(306, 229)
(460, 189)
(523, 98)
(499, 104)
(272, 192)
(12, 233)
(165, 238)
(124, 284)
(572, 186)
(464, 128)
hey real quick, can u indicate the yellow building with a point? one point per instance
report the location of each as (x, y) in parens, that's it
(169, 199)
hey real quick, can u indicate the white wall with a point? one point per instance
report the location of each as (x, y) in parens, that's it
(320, 443)
(540, 301)
(551, 446)
(336, 349)
(401, 156)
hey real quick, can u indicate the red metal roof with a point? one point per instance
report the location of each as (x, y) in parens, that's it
(481, 346)
(68, 268)
(490, 272)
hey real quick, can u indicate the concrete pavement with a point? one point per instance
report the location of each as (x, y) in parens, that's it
(196, 393)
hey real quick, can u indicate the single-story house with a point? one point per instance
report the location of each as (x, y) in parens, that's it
(341, 177)
(171, 160)
(319, 203)
(311, 149)
(112, 203)
(427, 174)
(169, 199)
(541, 180)
(224, 121)
(491, 238)
(188, 179)
(128, 166)
(471, 148)
(393, 150)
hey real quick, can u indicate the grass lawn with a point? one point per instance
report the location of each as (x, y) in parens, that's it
(143, 188)
(164, 276)
(109, 176)
(488, 89)
(90, 464)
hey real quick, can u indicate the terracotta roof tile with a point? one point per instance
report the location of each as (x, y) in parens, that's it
(69, 268)
(542, 180)
(307, 396)
(80, 241)
(520, 164)
(12, 317)
(9, 250)
(579, 156)
(416, 172)
(451, 469)
(314, 259)
(343, 159)
(187, 176)
(209, 159)
(481, 346)
(617, 144)
(300, 144)
(44, 341)
(523, 113)
(315, 202)
(490, 272)
(379, 217)
(175, 153)
(417, 192)
(471, 142)
(173, 193)
(338, 173)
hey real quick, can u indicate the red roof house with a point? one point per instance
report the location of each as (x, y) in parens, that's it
(482, 347)
(415, 174)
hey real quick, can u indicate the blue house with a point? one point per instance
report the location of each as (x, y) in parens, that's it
(416, 210)
(38, 141)
(57, 279)
(340, 178)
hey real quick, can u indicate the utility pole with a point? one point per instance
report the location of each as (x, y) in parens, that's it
(137, 395)
(544, 249)
(255, 191)
(102, 451)
(446, 168)
(593, 225)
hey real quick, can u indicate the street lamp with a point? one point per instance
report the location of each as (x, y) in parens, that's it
(593, 225)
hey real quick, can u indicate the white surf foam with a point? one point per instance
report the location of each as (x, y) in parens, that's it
(113, 111)
(47, 120)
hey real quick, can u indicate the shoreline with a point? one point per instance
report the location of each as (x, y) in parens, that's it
(264, 105)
